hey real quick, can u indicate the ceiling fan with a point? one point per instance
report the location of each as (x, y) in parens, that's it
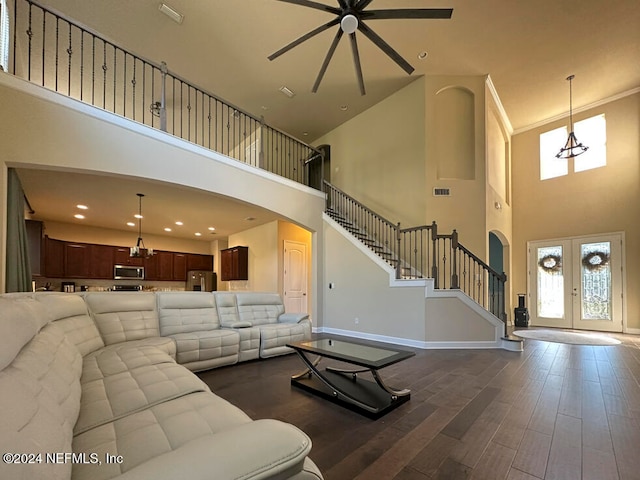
(351, 15)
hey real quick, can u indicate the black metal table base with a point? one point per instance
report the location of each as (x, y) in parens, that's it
(345, 388)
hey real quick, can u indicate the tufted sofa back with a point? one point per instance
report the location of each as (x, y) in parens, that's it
(259, 308)
(186, 312)
(70, 313)
(124, 316)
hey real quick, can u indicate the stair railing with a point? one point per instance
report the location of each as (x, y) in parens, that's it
(59, 54)
(362, 222)
(421, 252)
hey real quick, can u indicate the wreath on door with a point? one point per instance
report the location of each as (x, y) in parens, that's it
(595, 261)
(551, 263)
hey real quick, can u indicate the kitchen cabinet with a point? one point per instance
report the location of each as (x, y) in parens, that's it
(199, 262)
(101, 261)
(159, 266)
(122, 257)
(63, 259)
(77, 260)
(234, 264)
(180, 267)
(53, 258)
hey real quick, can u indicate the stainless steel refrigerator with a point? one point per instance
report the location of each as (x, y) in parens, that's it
(201, 281)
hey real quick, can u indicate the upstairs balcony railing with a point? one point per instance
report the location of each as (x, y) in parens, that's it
(55, 52)
(421, 252)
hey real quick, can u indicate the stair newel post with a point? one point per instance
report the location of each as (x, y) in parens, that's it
(434, 253)
(454, 260)
(398, 256)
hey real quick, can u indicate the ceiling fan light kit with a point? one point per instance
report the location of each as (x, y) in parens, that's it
(350, 16)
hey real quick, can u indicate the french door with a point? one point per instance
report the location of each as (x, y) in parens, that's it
(577, 283)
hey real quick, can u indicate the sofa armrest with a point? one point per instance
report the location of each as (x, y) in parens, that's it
(239, 324)
(257, 450)
(292, 317)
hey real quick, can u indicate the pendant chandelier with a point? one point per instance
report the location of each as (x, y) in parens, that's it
(139, 251)
(572, 148)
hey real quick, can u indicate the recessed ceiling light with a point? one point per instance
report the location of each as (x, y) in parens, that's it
(264, 107)
(137, 215)
(423, 55)
(344, 108)
(198, 234)
(131, 224)
(79, 217)
(250, 219)
(179, 223)
(211, 229)
(171, 13)
(167, 229)
(82, 207)
(287, 92)
(305, 134)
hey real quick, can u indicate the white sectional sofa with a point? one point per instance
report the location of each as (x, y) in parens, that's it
(90, 387)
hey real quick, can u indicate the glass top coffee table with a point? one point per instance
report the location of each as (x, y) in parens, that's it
(343, 386)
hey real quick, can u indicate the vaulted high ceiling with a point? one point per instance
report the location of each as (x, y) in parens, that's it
(527, 47)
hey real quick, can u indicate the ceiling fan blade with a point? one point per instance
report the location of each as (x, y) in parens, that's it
(327, 59)
(304, 38)
(343, 4)
(362, 4)
(435, 13)
(386, 48)
(316, 5)
(356, 62)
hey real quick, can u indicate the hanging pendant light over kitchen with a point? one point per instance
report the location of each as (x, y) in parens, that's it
(140, 251)
(572, 148)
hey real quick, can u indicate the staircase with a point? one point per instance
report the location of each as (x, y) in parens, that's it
(420, 252)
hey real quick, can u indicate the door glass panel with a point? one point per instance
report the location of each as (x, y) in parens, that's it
(550, 282)
(596, 280)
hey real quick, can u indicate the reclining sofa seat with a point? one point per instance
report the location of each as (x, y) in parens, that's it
(277, 328)
(129, 398)
(191, 319)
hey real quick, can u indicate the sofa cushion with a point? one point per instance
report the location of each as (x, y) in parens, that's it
(259, 308)
(20, 321)
(70, 312)
(158, 430)
(196, 349)
(185, 312)
(115, 396)
(124, 316)
(40, 403)
(121, 357)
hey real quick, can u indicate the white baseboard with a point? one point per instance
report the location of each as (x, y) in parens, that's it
(407, 342)
(632, 331)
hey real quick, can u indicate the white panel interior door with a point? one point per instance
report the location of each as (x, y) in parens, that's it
(577, 283)
(295, 277)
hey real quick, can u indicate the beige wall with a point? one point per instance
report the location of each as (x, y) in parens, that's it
(595, 201)
(464, 210)
(361, 291)
(378, 156)
(263, 258)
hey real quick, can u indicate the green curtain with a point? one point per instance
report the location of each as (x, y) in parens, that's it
(18, 265)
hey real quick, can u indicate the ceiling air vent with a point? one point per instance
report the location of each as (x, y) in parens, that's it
(441, 192)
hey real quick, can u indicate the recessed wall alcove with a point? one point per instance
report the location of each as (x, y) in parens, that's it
(455, 133)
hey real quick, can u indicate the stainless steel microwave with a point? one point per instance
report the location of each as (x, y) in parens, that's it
(128, 272)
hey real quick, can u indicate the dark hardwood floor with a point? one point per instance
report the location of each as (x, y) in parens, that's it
(554, 411)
